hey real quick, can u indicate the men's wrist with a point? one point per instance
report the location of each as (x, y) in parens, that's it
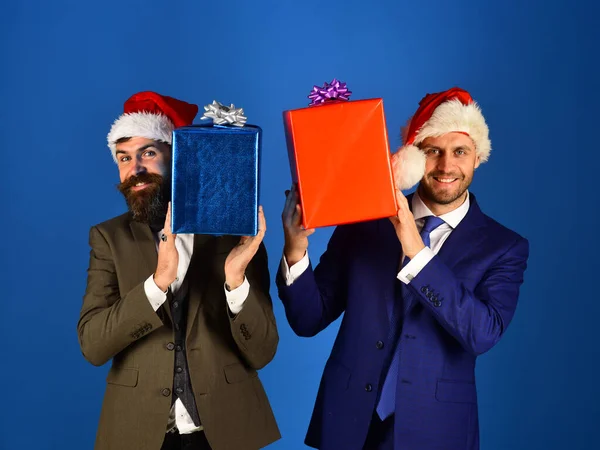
(234, 283)
(161, 284)
(414, 251)
(293, 256)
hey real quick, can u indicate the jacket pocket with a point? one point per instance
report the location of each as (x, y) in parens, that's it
(455, 391)
(234, 373)
(123, 377)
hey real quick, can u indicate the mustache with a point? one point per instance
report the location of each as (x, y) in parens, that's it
(149, 178)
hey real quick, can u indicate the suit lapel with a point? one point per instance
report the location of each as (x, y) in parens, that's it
(145, 243)
(465, 236)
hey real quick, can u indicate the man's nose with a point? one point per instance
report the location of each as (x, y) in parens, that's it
(139, 167)
(444, 163)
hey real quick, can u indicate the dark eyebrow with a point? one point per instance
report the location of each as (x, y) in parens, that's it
(141, 149)
(145, 147)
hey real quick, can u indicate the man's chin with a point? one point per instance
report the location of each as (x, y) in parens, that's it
(443, 197)
(146, 211)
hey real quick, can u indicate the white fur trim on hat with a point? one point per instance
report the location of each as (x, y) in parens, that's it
(452, 116)
(408, 166)
(140, 124)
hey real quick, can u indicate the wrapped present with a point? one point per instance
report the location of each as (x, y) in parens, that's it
(339, 157)
(215, 175)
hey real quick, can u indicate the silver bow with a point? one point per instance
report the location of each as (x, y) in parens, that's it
(221, 114)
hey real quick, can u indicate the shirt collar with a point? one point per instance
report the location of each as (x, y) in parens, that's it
(453, 218)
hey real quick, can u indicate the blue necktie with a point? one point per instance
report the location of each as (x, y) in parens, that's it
(387, 399)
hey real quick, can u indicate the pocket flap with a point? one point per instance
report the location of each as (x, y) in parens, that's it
(123, 377)
(455, 391)
(234, 373)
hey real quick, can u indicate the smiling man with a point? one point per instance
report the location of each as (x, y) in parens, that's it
(423, 294)
(187, 320)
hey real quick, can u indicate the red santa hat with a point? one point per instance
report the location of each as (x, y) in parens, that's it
(444, 112)
(150, 115)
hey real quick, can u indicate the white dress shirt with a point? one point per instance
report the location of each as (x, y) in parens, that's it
(421, 259)
(235, 299)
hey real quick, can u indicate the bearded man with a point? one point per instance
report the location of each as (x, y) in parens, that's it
(187, 320)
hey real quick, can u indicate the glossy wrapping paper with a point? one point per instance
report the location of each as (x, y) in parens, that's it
(339, 156)
(216, 180)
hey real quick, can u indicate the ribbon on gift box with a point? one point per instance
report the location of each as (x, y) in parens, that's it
(336, 90)
(224, 115)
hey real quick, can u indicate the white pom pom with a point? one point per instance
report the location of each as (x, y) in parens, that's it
(408, 166)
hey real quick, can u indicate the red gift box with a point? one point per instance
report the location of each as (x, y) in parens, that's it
(339, 157)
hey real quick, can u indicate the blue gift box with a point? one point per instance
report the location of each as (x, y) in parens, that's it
(215, 180)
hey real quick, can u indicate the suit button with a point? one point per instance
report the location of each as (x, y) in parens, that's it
(170, 346)
(166, 392)
(178, 369)
(437, 303)
(368, 388)
(379, 345)
(424, 290)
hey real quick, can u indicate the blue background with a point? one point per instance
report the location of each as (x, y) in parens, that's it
(67, 67)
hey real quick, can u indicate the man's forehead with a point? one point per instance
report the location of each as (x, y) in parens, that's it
(454, 139)
(136, 144)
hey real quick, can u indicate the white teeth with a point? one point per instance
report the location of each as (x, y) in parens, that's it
(140, 184)
(445, 180)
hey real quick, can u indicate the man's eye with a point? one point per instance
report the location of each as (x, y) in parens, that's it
(460, 152)
(149, 153)
(125, 158)
(431, 151)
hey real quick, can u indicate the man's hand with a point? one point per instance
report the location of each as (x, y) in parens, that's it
(296, 237)
(406, 228)
(168, 256)
(240, 256)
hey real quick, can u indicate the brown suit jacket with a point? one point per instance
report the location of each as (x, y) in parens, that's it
(224, 352)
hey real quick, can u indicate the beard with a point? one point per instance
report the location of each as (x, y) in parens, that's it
(444, 196)
(148, 205)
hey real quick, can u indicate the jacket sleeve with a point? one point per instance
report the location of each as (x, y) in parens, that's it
(317, 298)
(109, 321)
(476, 319)
(254, 328)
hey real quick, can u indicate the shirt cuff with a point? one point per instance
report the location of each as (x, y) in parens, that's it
(291, 274)
(415, 265)
(156, 297)
(237, 297)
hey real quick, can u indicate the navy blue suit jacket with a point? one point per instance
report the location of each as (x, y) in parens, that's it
(455, 309)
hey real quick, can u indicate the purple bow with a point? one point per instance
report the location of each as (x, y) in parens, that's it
(336, 90)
